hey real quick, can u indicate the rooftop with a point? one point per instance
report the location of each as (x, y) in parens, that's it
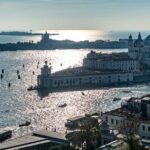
(22, 141)
(37, 138)
(51, 135)
(80, 71)
(113, 56)
(76, 118)
(125, 112)
(117, 112)
(116, 59)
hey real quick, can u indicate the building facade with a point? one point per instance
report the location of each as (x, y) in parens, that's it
(140, 109)
(120, 61)
(76, 77)
(140, 49)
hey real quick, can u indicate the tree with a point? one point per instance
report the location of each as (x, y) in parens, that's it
(129, 129)
(87, 136)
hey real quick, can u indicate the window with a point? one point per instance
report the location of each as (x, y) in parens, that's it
(116, 122)
(73, 81)
(112, 121)
(143, 127)
(106, 118)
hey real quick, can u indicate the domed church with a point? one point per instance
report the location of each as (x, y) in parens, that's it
(140, 49)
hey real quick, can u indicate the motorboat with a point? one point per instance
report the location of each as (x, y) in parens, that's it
(116, 99)
(62, 105)
(27, 123)
(4, 135)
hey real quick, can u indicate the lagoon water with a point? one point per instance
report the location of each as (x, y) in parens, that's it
(18, 105)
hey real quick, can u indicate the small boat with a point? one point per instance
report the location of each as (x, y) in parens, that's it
(4, 135)
(62, 105)
(83, 93)
(2, 70)
(54, 129)
(27, 123)
(116, 99)
(126, 91)
(1, 76)
(9, 84)
(31, 88)
(19, 77)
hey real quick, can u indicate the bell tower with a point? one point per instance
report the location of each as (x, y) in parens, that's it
(130, 43)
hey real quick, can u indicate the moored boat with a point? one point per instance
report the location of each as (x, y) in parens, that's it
(116, 99)
(4, 135)
(62, 105)
(27, 123)
(31, 88)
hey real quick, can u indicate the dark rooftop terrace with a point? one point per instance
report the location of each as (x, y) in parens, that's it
(80, 71)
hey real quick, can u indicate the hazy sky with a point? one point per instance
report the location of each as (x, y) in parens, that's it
(75, 14)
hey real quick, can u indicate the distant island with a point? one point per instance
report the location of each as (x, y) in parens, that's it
(47, 43)
(21, 33)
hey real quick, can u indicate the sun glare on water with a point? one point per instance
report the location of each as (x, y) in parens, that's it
(76, 35)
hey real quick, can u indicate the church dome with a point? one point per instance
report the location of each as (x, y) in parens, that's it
(139, 42)
(147, 41)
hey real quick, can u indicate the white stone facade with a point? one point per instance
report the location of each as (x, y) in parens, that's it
(139, 108)
(109, 62)
(140, 49)
(123, 65)
(116, 123)
(52, 81)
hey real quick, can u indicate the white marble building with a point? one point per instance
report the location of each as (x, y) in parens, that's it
(140, 49)
(120, 61)
(140, 107)
(76, 77)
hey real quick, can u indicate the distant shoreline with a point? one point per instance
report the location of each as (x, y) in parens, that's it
(19, 33)
(64, 44)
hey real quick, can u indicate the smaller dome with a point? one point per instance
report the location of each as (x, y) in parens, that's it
(139, 42)
(147, 41)
(130, 37)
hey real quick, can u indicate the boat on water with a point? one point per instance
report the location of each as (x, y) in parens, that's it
(83, 93)
(4, 135)
(27, 123)
(62, 105)
(31, 88)
(116, 99)
(126, 91)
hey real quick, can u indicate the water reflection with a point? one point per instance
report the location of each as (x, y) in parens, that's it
(18, 105)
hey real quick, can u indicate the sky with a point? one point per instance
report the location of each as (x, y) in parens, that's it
(75, 15)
